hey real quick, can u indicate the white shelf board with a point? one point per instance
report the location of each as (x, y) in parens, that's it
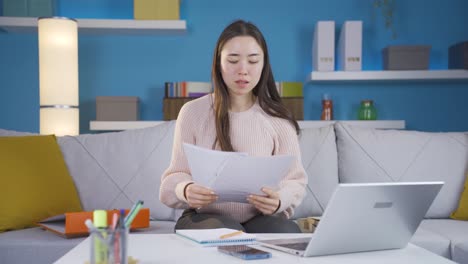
(101, 26)
(125, 125)
(422, 75)
(121, 125)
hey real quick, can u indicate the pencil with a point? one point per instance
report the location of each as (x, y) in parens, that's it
(231, 234)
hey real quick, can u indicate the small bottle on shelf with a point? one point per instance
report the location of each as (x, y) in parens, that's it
(327, 108)
(367, 110)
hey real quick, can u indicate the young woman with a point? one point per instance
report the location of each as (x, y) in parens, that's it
(244, 114)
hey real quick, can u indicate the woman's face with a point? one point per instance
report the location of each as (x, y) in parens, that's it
(241, 64)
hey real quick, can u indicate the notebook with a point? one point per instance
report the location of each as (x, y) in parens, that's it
(212, 237)
(364, 217)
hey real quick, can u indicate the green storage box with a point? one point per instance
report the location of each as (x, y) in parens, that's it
(29, 8)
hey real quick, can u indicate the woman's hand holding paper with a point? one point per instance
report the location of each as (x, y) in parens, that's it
(267, 204)
(199, 196)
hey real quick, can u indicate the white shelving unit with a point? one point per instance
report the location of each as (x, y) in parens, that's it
(125, 125)
(101, 26)
(387, 76)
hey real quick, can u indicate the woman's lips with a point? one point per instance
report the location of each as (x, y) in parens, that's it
(242, 83)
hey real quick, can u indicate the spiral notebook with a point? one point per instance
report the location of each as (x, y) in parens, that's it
(213, 237)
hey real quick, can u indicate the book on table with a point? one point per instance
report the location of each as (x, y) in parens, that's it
(217, 236)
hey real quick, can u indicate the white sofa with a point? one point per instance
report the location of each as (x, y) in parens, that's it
(128, 165)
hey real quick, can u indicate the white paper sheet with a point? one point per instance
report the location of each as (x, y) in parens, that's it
(234, 175)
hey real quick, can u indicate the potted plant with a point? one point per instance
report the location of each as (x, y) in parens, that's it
(387, 8)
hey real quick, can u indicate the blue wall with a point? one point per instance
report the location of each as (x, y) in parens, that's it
(139, 65)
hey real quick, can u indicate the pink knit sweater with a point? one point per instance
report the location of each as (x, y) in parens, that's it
(253, 132)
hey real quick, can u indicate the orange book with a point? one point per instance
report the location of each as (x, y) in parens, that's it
(73, 224)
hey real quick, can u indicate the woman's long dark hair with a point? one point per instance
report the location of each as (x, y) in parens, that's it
(267, 95)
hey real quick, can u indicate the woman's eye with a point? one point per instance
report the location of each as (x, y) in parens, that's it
(232, 61)
(253, 62)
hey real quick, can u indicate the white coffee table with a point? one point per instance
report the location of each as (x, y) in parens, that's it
(171, 248)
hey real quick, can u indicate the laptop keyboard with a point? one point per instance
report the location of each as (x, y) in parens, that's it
(296, 246)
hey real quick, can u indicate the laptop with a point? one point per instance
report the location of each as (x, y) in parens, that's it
(365, 217)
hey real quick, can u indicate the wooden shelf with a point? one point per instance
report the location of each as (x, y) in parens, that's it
(387, 76)
(101, 26)
(125, 125)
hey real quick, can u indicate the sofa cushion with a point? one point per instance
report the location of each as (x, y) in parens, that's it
(34, 245)
(461, 213)
(454, 230)
(114, 170)
(432, 241)
(36, 181)
(371, 155)
(460, 252)
(319, 158)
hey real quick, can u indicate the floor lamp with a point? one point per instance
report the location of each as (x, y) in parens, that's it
(58, 76)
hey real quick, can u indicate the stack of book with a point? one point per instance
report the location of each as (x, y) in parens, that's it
(187, 89)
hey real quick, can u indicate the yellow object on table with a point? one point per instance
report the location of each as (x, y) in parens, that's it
(308, 224)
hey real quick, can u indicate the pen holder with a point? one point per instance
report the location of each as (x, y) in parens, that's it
(109, 246)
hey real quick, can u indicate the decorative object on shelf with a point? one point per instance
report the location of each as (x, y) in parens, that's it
(458, 56)
(29, 8)
(172, 106)
(156, 9)
(411, 57)
(349, 52)
(295, 105)
(327, 108)
(388, 11)
(117, 108)
(367, 110)
(289, 89)
(323, 46)
(58, 76)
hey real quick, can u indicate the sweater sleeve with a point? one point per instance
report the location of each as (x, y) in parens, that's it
(292, 187)
(177, 175)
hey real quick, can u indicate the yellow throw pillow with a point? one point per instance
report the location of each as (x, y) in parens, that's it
(462, 211)
(35, 182)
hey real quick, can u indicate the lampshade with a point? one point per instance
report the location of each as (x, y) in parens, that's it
(58, 76)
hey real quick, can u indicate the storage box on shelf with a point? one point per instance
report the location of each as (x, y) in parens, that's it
(29, 8)
(458, 56)
(156, 9)
(412, 57)
(117, 108)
